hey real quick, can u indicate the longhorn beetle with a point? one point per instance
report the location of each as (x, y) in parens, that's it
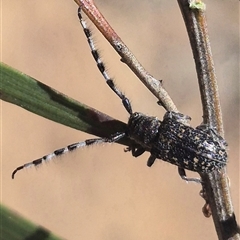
(196, 149)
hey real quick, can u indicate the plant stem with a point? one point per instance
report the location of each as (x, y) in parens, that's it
(216, 185)
(154, 85)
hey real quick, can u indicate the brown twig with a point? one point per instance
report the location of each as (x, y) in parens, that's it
(154, 85)
(216, 185)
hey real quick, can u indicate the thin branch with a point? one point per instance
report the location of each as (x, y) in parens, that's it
(216, 184)
(154, 85)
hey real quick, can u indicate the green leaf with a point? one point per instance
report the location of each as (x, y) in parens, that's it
(15, 227)
(32, 95)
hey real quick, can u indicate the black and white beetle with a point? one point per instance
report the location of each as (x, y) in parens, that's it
(196, 149)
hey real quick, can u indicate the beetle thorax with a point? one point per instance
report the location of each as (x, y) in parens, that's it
(143, 129)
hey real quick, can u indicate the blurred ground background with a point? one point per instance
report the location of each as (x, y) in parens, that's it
(102, 192)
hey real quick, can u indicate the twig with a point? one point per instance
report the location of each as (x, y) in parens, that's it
(216, 185)
(154, 85)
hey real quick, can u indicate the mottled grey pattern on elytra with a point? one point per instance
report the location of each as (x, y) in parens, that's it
(172, 141)
(197, 149)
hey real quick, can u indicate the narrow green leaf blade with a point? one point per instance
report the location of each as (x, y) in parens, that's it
(32, 95)
(15, 227)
